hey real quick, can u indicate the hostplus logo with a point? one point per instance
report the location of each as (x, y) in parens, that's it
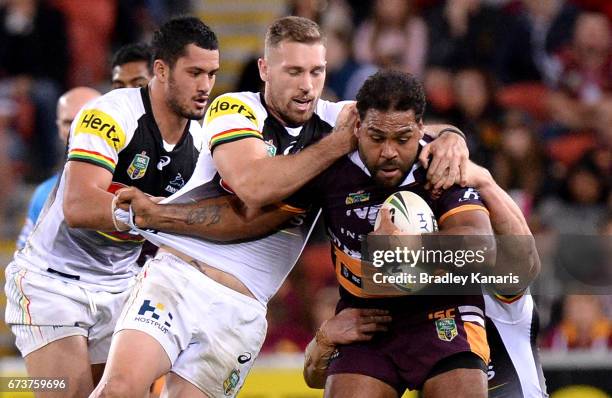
(155, 315)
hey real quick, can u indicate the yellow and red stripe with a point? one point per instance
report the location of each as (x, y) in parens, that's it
(233, 135)
(92, 157)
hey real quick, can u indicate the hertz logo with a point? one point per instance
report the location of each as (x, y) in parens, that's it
(229, 106)
(100, 124)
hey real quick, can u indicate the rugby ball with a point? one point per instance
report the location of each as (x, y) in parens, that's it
(409, 212)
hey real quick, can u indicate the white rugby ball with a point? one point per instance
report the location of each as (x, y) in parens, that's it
(409, 212)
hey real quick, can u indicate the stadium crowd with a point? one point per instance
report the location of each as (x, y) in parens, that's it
(528, 81)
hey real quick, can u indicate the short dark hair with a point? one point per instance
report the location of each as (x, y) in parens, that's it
(296, 29)
(391, 90)
(133, 52)
(170, 40)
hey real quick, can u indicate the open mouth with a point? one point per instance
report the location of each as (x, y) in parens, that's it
(302, 103)
(201, 101)
(389, 171)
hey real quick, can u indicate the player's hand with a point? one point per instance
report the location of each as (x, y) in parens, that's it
(450, 155)
(344, 131)
(143, 206)
(355, 324)
(386, 226)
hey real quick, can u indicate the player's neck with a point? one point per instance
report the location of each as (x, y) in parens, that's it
(170, 124)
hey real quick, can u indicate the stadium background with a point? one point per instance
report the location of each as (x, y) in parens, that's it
(529, 81)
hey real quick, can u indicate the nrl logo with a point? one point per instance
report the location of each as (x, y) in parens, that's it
(357, 197)
(138, 167)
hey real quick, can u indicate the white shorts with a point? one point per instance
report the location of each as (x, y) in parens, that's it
(42, 308)
(211, 333)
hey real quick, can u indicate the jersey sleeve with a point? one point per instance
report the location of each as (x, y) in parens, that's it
(328, 111)
(455, 200)
(99, 133)
(232, 117)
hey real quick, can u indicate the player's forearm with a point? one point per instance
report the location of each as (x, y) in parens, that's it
(272, 179)
(506, 217)
(88, 208)
(517, 248)
(218, 219)
(434, 130)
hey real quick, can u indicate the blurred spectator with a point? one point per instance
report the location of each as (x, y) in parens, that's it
(438, 83)
(477, 114)
(463, 33)
(394, 37)
(344, 75)
(603, 6)
(534, 35)
(581, 203)
(518, 165)
(583, 326)
(33, 41)
(90, 28)
(132, 66)
(33, 68)
(585, 74)
(7, 112)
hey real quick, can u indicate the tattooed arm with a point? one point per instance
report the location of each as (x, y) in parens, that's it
(221, 219)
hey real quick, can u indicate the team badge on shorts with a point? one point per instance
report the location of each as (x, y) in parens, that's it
(231, 382)
(138, 167)
(447, 329)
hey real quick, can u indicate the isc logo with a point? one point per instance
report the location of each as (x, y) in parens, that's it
(449, 313)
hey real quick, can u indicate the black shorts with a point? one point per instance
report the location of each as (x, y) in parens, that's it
(424, 331)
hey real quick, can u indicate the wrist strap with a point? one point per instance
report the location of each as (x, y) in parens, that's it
(452, 130)
(114, 218)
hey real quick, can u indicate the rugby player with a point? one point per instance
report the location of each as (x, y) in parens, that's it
(132, 66)
(511, 322)
(68, 105)
(209, 348)
(436, 344)
(66, 287)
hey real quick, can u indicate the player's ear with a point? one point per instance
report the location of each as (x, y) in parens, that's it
(262, 65)
(357, 128)
(421, 127)
(160, 70)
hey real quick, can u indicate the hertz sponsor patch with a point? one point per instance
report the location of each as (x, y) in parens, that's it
(226, 105)
(98, 123)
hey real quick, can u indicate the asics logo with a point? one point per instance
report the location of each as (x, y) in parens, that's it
(163, 162)
(244, 358)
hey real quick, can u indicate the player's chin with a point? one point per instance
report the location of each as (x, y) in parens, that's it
(194, 114)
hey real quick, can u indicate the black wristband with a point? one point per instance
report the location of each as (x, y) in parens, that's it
(452, 130)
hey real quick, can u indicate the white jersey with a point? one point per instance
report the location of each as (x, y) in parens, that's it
(512, 328)
(118, 133)
(262, 264)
